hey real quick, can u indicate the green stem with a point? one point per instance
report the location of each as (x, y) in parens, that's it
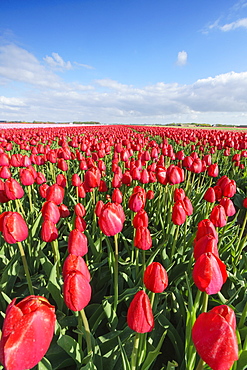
(239, 250)
(174, 241)
(25, 265)
(205, 302)
(116, 273)
(56, 254)
(134, 354)
(88, 333)
(200, 365)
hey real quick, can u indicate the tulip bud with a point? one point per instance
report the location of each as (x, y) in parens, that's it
(140, 219)
(213, 170)
(49, 231)
(76, 290)
(215, 338)
(207, 243)
(178, 213)
(75, 263)
(77, 243)
(111, 219)
(50, 211)
(13, 227)
(155, 278)
(137, 201)
(64, 211)
(79, 210)
(218, 216)
(205, 227)
(13, 189)
(142, 238)
(228, 206)
(27, 332)
(55, 193)
(209, 196)
(140, 316)
(209, 273)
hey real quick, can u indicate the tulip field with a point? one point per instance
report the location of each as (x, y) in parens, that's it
(123, 248)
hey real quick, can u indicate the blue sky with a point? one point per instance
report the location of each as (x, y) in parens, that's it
(132, 61)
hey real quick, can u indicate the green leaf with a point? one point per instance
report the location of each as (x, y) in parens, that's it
(171, 365)
(125, 361)
(44, 364)
(71, 347)
(110, 314)
(55, 288)
(242, 361)
(152, 355)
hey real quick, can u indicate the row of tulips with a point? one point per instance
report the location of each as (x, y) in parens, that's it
(102, 218)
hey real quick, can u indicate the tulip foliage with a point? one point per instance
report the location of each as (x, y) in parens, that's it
(123, 247)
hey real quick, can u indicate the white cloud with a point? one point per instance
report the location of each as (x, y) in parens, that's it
(57, 62)
(182, 58)
(40, 94)
(232, 26)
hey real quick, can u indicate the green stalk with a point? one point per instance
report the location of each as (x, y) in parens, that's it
(174, 241)
(25, 265)
(134, 354)
(238, 248)
(116, 273)
(56, 254)
(200, 365)
(88, 333)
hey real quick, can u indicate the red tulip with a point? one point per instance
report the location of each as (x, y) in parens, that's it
(218, 216)
(205, 227)
(13, 189)
(228, 206)
(140, 316)
(61, 180)
(64, 211)
(175, 174)
(77, 291)
(77, 243)
(79, 210)
(98, 207)
(13, 227)
(111, 219)
(213, 170)
(137, 201)
(75, 180)
(150, 194)
(142, 239)
(5, 172)
(80, 223)
(92, 177)
(117, 196)
(26, 176)
(40, 178)
(209, 196)
(140, 219)
(49, 231)
(55, 193)
(187, 206)
(178, 213)
(75, 263)
(207, 243)
(50, 211)
(230, 189)
(155, 278)
(209, 273)
(43, 189)
(27, 332)
(215, 338)
(62, 164)
(179, 194)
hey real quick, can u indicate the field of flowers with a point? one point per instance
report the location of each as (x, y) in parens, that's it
(123, 248)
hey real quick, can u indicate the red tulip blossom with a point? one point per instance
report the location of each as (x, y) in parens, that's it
(179, 194)
(50, 211)
(111, 219)
(205, 227)
(214, 336)
(117, 196)
(140, 219)
(209, 273)
(13, 189)
(150, 194)
(213, 170)
(13, 227)
(80, 223)
(75, 263)
(142, 239)
(77, 243)
(27, 332)
(207, 243)
(92, 177)
(140, 316)
(76, 290)
(79, 210)
(155, 278)
(209, 195)
(218, 216)
(137, 201)
(228, 206)
(178, 213)
(55, 193)
(49, 231)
